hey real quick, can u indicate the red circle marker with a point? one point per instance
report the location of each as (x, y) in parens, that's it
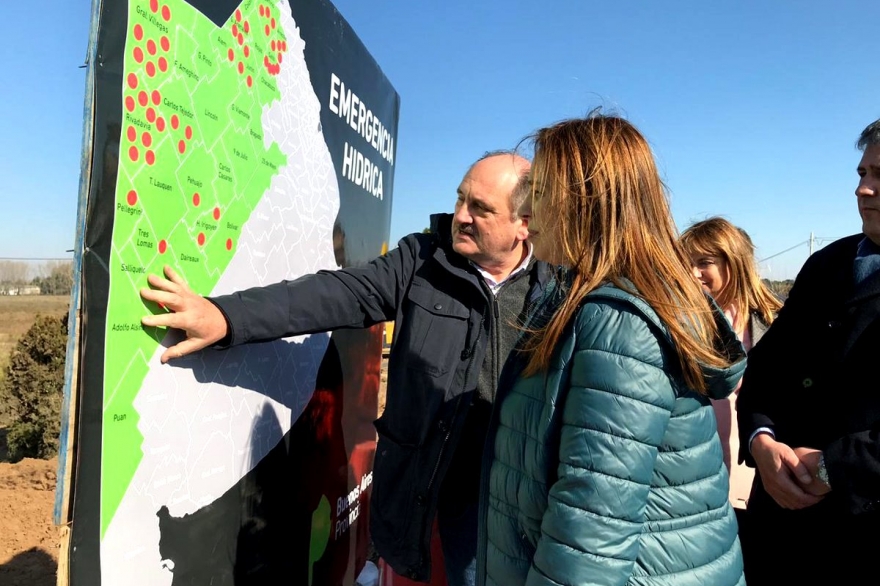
(284, 46)
(151, 47)
(238, 15)
(163, 64)
(138, 32)
(266, 60)
(132, 80)
(250, 82)
(231, 55)
(201, 239)
(151, 69)
(166, 13)
(150, 157)
(272, 22)
(143, 99)
(247, 27)
(132, 197)
(196, 199)
(131, 134)
(163, 246)
(160, 124)
(147, 139)
(267, 30)
(175, 121)
(229, 244)
(280, 59)
(234, 30)
(181, 146)
(154, 5)
(129, 103)
(133, 153)
(240, 39)
(272, 44)
(138, 55)
(156, 97)
(240, 67)
(247, 51)
(216, 213)
(188, 133)
(151, 115)
(165, 43)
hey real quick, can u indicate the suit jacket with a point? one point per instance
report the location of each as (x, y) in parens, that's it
(815, 379)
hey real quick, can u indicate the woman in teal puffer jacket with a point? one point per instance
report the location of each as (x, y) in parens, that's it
(606, 468)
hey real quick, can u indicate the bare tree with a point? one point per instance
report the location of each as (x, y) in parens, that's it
(13, 273)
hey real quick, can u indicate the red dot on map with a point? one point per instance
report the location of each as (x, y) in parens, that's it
(284, 45)
(229, 244)
(240, 39)
(154, 5)
(133, 153)
(131, 134)
(165, 43)
(267, 30)
(181, 146)
(151, 69)
(261, 11)
(240, 67)
(201, 239)
(151, 47)
(132, 197)
(231, 55)
(163, 64)
(196, 199)
(280, 59)
(143, 99)
(138, 32)
(247, 51)
(138, 55)
(132, 80)
(129, 103)
(160, 124)
(273, 23)
(175, 122)
(216, 213)
(238, 15)
(166, 13)
(188, 132)
(156, 97)
(147, 139)
(234, 30)
(150, 157)
(250, 82)
(163, 246)
(247, 27)
(272, 44)
(266, 60)
(151, 115)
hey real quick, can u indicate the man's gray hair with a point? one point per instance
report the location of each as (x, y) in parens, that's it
(870, 136)
(521, 191)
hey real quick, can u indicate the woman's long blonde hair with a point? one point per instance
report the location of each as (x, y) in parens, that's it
(743, 290)
(596, 184)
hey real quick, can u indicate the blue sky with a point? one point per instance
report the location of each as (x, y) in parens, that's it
(752, 107)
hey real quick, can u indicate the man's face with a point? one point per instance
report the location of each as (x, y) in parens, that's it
(868, 192)
(484, 228)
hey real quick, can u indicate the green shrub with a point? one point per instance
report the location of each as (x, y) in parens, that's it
(33, 389)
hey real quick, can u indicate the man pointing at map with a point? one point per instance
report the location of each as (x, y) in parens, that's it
(456, 296)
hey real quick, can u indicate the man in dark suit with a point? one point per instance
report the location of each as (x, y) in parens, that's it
(809, 412)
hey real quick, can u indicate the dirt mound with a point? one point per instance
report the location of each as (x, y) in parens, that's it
(28, 538)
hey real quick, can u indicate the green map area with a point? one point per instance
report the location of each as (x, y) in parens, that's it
(193, 164)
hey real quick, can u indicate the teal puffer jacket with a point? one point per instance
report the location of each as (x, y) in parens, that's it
(607, 469)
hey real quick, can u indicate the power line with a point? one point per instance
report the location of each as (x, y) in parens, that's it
(784, 251)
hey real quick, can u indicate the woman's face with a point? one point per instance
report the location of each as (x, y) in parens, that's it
(542, 238)
(711, 272)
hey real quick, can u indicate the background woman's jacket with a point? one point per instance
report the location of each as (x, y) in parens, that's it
(607, 469)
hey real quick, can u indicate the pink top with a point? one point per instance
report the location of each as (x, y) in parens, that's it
(741, 476)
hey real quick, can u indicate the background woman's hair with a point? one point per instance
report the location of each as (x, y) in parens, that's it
(601, 196)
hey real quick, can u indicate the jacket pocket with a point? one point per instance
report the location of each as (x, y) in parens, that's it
(434, 330)
(394, 486)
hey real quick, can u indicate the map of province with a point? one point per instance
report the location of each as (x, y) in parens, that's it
(224, 174)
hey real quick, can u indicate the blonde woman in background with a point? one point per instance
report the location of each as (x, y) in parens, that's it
(723, 259)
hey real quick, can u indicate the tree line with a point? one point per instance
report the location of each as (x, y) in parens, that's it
(52, 277)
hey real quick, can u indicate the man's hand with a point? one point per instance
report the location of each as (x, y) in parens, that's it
(783, 474)
(809, 457)
(200, 319)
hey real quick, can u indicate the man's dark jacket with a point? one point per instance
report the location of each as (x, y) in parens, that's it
(443, 316)
(814, 378)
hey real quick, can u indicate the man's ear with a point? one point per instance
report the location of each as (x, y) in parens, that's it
(522, 231)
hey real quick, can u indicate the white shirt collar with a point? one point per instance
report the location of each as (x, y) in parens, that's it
(494, 285)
